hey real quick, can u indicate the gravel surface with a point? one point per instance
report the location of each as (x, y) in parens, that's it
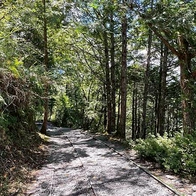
(80, 165)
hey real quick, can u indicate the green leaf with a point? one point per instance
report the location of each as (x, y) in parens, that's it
(94, 5)
(14, 70)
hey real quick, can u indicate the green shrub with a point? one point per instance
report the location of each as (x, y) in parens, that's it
(176, 154)
(154, 148)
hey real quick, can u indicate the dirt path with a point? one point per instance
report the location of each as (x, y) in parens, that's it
(80, 165)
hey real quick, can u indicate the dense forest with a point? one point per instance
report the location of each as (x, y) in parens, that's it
(125, 67)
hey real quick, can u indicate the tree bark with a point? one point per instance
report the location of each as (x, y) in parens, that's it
(188, 102)
(162, 92)
(46, 109)
(123, 87)
(108, 83)
(113, 79)
(134, 112)
(187, 85)
(118, 115)
(146, 84)
(138, 129)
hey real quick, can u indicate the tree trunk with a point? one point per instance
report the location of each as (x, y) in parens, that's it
(113, 79)
(138, 129)
(118, 115)
(123, 88)
(146, 84)
(104, 109)
(162, 92)
(187, 85)
(188, 103)
(108, 83)
(46, 110)
(134, 112)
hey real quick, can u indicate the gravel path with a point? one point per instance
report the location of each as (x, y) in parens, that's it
(79, 165)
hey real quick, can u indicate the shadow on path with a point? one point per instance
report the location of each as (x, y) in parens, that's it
(79, 165)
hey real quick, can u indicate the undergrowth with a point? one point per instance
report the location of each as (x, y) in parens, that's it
(19, 155)
(21, 148)
(177, 154)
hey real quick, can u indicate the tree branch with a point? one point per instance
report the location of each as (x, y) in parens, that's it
(169, 46)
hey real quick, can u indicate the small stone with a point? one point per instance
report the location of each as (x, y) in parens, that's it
(194, 194)
(194, 188)
(170, 177)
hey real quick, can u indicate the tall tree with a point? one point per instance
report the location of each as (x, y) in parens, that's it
(108, 82)
(162, 90)
(113, 69)
(134, 111)
(46, 109)
(178, 38)
(146, 80)
(146, 83)
(123, 85)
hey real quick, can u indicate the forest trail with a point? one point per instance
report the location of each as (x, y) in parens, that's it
(79, 165)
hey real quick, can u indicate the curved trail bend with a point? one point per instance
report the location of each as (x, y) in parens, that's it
(79, 165)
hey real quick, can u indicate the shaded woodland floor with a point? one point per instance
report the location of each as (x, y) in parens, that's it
(74, 162)
(19, 156)
(79, 164)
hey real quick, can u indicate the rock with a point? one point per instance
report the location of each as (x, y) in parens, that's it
(194, 194)
(170, 177)
(194, 188)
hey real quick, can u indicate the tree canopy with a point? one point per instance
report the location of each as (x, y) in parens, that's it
(122, 67)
